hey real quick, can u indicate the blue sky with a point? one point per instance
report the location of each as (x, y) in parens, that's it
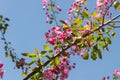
(26, 32)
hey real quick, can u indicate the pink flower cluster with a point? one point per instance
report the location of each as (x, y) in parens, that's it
(101, 3)
(56, 35)
(117, 73)
(75, 6)
(44, 3)
(60, 70)
(1, 70)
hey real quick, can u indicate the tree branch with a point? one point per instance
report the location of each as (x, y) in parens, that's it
(47, 62)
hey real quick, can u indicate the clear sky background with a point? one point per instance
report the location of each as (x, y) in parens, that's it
(26, 32)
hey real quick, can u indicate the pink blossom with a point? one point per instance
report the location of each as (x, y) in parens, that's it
(58, 8)
(44, 3)
(101, 3)
(52, 41)
(55, 28)
(48, 74)
(22, 62)
(47, 35)
(47, 17)
(99, 15)
(1, 73)
(1, 64)
(57, 50)
(68, 31)
(1, 70)
(117, 72)
(104, 78)
(70, 18)
(62, 36)
(61, 70)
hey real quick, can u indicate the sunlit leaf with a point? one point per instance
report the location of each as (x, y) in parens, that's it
(107, 39)
(102, 44)
(94, 14)
(46, 47)
(78, 21)
(99, 53)
(43, 53)
(7, 54)
(75, 32)
(93, 56)
(85, 13)
(117, 5)
(32, 55)
(51, 51)
(113, 34)
(85, 56)
(50, 9)
(56, 61)
(32, 62)
(65, 26)
(24, 74)
(108, 31)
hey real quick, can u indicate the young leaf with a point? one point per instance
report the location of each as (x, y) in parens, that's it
(56, 61)
(24, 74)
(78, 21)
(99, 53)
(51, 51)
(113, 34)
(85, 13)
(93, 56)
(85, 56)
(117, 5)
(32, 62)
(42, 53)
(46, 47)
(32, 55)
(94, 14)
(107, 40)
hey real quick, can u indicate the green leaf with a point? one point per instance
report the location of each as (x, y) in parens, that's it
(1, 27)
(117, 5)
(50, 9)
(102, 44)
(113, 34)
(7, 54)
(43, 53)
(108, 40)
(46, 47)
(32, 62)
(56, 61)
(75, 32)
(7, 19)
(51, 51)
(94, 14)
(93, 56)
(85, 14)
(32, 55)
(99, 53)
(78, 21)
(24, 74)
(108, 31)
(85, 56)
